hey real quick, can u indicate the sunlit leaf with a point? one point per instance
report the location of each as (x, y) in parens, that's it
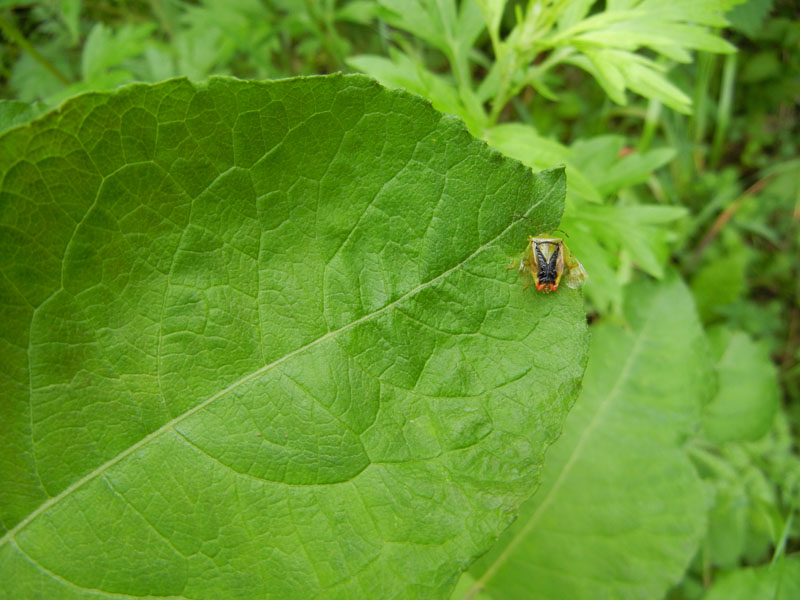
(770, 582)
(621, 508)
(13, 113)
(259, 341)
(748, 395)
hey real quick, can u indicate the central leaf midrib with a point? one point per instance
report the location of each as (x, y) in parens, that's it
(178, 419)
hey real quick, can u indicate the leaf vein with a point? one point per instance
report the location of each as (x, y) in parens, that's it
(241, 381)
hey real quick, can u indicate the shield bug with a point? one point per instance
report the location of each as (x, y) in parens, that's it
(547, 259)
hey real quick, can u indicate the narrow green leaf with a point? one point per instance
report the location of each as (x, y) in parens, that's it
(603, 161)
(621, 508)
(631, 227)
(574, 12)
(605, 71)
(492, 11)
(651, 33)
(258, 341)
(702, 12)
(70, 14)
(635, 168)
(651, 84)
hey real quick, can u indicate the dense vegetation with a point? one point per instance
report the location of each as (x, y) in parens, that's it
(677, 123)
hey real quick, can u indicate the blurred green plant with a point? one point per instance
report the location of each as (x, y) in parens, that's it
(57, 49)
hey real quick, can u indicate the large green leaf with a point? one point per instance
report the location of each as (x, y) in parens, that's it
(748, 397)
(258, 341)
(13, 113)
(780, 581)
(621, 508)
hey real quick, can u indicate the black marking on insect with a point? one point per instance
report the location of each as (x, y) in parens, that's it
(547, 259)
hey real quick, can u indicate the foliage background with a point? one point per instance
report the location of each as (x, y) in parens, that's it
(678, 126)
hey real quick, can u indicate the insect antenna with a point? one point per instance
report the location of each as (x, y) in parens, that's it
(538, 228)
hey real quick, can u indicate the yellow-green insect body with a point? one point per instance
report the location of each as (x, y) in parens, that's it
(547, 260)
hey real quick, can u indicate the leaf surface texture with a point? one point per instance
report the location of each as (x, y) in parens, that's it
(259, 342)
(621, 509)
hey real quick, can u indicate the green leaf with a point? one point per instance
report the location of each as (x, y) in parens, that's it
(523, 143)
(445, 25)
(634, 228)
(492, 11)
(71, 15)
(607, 43)
(32, 82)
(744, 522)
(13, 113)
(601, 65)
(216, 35)
(574, 12)
(602, 160)
(651, 84)
(402, 71)
(362, 12)
(106, 49)
(258, 340)
(722, 279)
(748, 17)
(755, 493)
(621, 508)
(771, 582)
(450, 28)
(427, 19)
(748, 396)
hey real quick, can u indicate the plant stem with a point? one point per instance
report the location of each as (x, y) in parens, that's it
(780, 547)
(650, 124)
(706, 70)
(11, 32)
(706, 67)
(726, 216)
(158, 11)
(724, 108)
